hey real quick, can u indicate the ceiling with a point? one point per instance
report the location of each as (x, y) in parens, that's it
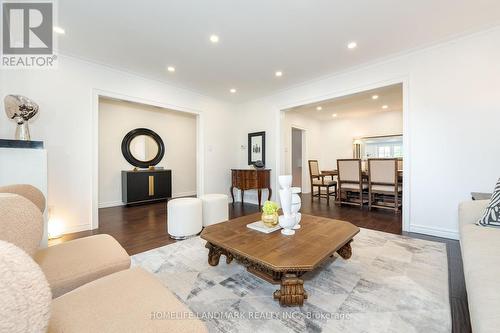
(304, 39)
(355, 105)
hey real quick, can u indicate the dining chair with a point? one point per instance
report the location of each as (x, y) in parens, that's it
(400, 164)
(384, 189)
(352, 189)
(318, 181)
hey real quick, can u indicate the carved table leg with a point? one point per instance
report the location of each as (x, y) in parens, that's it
(291, 292)
(345, 251)
(214, 253)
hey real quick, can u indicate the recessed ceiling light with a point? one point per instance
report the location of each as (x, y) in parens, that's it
(232, 91)
(352, 45)
(278, 73)
(375, 97)
(59, 30)
(385, 107)
(334, 115)
(214, 39)
(171, 69)
(319, 108)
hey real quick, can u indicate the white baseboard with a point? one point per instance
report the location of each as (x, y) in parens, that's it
(183, 194)
(438, 232)
(110, 204)
(76, 228)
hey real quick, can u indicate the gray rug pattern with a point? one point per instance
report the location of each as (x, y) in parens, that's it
(391, 284)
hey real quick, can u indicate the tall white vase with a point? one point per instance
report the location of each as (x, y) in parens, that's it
(296, 204)
(287, 220)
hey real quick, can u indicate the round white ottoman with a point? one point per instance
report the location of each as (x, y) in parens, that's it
(184, 217)
(215, 208)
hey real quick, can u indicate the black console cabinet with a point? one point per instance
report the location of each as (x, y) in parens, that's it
(146, 185)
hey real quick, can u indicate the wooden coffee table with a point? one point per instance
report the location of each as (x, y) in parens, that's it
(277, 258)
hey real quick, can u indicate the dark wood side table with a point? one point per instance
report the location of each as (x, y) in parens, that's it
(251, 179)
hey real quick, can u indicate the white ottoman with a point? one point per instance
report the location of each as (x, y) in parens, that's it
(184, 217)
(215, 208)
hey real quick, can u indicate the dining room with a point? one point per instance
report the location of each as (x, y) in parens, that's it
(346, 154)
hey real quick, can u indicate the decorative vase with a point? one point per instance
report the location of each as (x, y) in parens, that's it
(288, 219)
(21, 109)
(296, 204)
(287, 223)
(270, 220)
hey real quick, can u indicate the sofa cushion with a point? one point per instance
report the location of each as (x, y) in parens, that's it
(24, 292)
(491, 216)
(21, 222)
(132, 300)
(74, 263)
(479, 246)
(28, 191)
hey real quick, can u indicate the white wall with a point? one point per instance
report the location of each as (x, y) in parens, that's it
(176, 129)
(338, 134)
(66, 124)
(452, 117)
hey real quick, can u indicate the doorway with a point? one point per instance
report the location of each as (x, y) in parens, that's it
(156, 107)
(337, 127)
(297, 157)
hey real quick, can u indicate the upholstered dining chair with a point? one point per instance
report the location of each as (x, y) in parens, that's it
(352, 189)
(318, 181)
(383, 184)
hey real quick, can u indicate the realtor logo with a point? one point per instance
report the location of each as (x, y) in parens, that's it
(27, 37)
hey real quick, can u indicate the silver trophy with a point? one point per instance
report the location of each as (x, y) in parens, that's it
(21, 109)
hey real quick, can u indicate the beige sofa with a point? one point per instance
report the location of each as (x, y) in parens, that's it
(67, 265)
(93, 288)
(480, 252)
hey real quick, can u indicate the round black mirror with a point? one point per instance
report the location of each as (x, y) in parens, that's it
(143, 148)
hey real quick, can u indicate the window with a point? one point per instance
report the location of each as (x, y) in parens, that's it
(380, 147)
(384, 152)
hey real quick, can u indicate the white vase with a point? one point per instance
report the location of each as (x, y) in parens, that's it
(287, 223)
(296, 204)
(287, 220)
(285, 181)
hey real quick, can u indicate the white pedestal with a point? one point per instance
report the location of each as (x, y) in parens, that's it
(25, 166)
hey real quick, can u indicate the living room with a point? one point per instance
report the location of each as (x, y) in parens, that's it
(236, 79)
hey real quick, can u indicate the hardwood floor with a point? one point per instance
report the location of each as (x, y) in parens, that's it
(142, 228)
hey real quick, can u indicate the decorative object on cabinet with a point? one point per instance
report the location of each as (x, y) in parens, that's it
(257, 148)
(146, 185)
(247, 179)
(143, 148)
(259, 165)
(21, 109)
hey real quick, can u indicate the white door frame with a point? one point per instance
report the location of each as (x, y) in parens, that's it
(96, 94)
(404, 80)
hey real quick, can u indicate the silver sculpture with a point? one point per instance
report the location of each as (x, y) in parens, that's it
(21, 109)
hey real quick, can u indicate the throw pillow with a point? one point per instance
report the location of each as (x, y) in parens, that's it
(491, 216)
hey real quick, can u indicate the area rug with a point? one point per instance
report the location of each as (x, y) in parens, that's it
(391, 284)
